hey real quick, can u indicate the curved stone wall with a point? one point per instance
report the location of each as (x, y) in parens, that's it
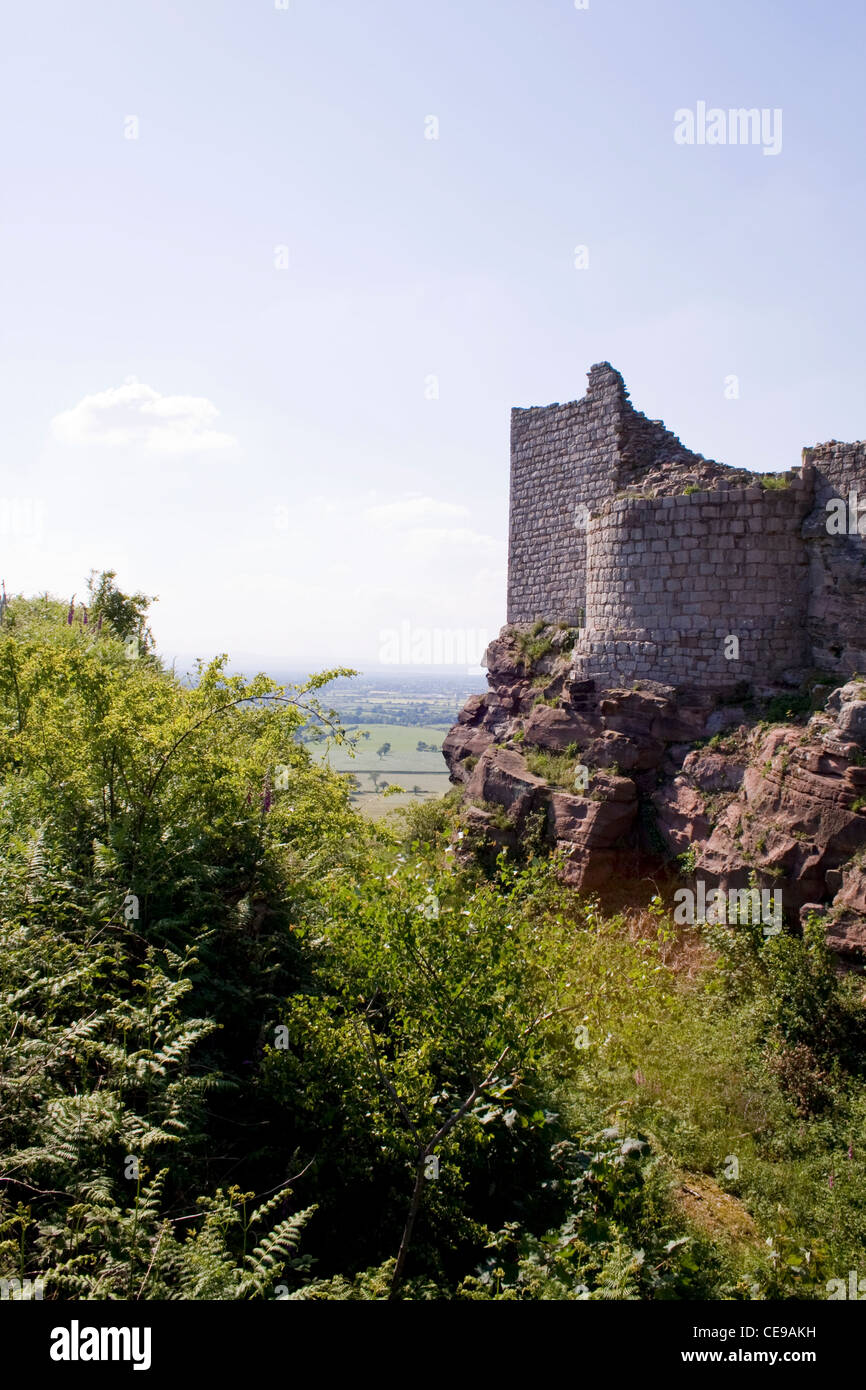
(671, 580)
(604, 536)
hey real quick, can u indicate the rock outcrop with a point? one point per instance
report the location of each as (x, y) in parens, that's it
(605, 773)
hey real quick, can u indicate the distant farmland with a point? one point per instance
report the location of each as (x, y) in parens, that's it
(400, 709)
(396, 696)
(421, 773)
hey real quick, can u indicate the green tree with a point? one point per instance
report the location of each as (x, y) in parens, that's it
(142, 931)
(126, 614)
(438, 1012)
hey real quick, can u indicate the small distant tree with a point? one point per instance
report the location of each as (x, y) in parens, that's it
(126, 614)
(383, 751)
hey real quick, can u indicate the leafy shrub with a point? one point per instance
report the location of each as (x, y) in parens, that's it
(217, 981)
(556, 768)
(534, 644)
(788, 708)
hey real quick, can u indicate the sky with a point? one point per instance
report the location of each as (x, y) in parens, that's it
(274, 272)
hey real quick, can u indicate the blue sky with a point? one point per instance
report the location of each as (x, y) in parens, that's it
(256, 444)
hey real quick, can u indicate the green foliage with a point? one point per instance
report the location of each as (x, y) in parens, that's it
(788, 708)
(125, 614)
(498, 814)
(428, 824)
(620, 1239)
(427, 1007)
(556, 768)
(535, 644)
(774, 482)
(688, 861)
(218, 981)
(143, 833)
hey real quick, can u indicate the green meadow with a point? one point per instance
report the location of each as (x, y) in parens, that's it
(379, 756)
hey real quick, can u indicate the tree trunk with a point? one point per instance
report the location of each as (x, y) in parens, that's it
(406, 1240)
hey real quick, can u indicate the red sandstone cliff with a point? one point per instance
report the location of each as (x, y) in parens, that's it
(776, 805)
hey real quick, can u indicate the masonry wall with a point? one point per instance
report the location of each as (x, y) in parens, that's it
(836, 614)
(670, 578)
(645, 445)
(603, 536)
(562, 457)
(568, 462)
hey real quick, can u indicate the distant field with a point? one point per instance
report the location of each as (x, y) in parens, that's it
(422, 775)
(380, 707)
(388, 698)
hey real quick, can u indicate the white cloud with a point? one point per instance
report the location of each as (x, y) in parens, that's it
(414, 511)
(136, 414)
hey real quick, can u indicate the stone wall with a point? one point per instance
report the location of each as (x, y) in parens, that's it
(660, 554)
(836, 616)
(838, 469)
(645, 445)
(563, 457)
(568, 462)
(670, 579)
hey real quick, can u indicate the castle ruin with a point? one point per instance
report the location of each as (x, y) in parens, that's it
(660, 556)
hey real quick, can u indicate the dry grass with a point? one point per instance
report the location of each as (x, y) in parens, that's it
(716, 1213)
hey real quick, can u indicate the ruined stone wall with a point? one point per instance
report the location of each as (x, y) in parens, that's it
(646, 445)
(836, 618)
(603, 535)
(838, 469)
(562, 457)
(671, 578)
(568, 462)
